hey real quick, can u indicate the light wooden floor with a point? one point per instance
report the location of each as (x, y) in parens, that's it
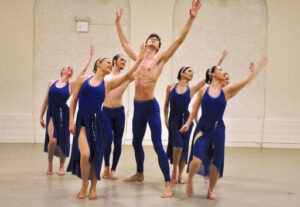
(252, 177)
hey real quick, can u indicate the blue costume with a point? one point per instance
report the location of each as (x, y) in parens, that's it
(59, 111)
(115, 126)
(179, 114)
(210, 146)
(89, 116)
(148, 111)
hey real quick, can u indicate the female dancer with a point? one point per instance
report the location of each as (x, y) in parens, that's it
(88, 141)
(179, 96)
(207, 154)
(57, 138)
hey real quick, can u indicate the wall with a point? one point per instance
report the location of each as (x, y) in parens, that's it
(39, 38)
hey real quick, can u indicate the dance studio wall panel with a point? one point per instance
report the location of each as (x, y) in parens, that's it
(16, 70)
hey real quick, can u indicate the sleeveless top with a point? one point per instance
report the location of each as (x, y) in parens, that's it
(91, 97)
(179, 103)
(57, 97)
(212, 112)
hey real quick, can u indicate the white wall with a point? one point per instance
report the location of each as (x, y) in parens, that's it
(38, 38)
(16, 70)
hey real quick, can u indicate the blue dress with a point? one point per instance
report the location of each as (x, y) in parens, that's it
(210, 146)
(59, 111)
(89, 115)
(179, 114)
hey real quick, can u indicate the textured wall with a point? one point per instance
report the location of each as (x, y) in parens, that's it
(38, 38)
(16, 67)
(282, 125)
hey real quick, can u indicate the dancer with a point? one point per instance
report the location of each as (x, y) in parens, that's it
(89, 132)
(114, 110)
(209, 137)
(57, 137)
(146, 108)
(179, 95)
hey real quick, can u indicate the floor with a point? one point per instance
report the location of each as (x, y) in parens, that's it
(252, 177)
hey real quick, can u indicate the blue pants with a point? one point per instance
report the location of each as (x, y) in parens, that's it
(115, 125)
(148, 111)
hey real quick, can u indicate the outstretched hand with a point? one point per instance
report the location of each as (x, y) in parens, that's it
(196, 4)
(260, 64)
(119, 15)
(224, 54)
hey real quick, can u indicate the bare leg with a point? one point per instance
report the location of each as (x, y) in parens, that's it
(62, 158)
(181, 168)
(106, 173)
(93, 194)
(51, 146)
(84, 162)
(194, 167)
(176, 157)
(168, 190)
(136, 177)
(213, 178)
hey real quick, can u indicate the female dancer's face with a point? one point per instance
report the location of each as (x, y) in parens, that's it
(188, 74)
(218, 74)
(68, 71)
(106, 66)
(225, 82)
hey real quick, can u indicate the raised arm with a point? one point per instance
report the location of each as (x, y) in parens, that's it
(124, 42)
(194, 112)
(44, 106)
(196, 88)
(224, 55)
(232, 90)
(128, 75)
(196, 4)
(84, 69)
(166, 105)
(73, 103)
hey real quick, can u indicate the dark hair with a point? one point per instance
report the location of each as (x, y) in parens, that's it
(61, 71)
(115, 58)
(100, 60)
(155, 35)
(182, 70)
(208, 77)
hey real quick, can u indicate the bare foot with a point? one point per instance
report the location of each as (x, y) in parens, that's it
(113, 175)
(211, 196)
(93, 195)
(61, 171)
(83, 190)
(189, 189)
(136, 177)
(168, 193)
(49, 171)
(173, 178)
(181, 180)
(106, 173)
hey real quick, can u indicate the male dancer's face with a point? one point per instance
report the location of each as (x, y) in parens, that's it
(121, 62)
(153, 42)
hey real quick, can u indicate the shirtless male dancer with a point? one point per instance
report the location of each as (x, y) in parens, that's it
(114, 110)
(146, 108)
